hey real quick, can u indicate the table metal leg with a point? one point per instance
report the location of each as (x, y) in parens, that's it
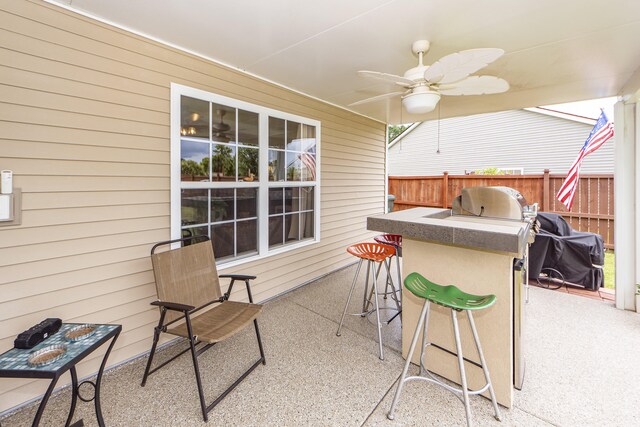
(45, 399)
(74, 395)
(99, 380)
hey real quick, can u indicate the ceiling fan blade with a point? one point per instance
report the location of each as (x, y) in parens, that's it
(391, 78)
(475, 85)
(457, 66)
(377, 98)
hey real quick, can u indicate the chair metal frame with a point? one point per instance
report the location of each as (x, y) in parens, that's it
(188, 313)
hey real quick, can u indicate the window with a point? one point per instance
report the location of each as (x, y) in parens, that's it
(242, 174)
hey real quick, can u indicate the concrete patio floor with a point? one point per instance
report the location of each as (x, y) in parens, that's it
(582, 370)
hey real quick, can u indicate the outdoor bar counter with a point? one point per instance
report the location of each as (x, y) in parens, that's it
(477, 255)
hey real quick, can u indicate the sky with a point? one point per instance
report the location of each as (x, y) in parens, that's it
(590, 108)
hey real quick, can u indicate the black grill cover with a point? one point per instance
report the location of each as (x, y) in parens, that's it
(572, 253)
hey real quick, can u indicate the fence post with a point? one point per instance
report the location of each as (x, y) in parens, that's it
(445, 189)
(546, 201)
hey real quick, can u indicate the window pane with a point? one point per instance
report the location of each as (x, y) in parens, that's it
(293, 166)
(223, 162)
(195, 207)
(247, 164)
(275, 231)
(222, 238)
(222, 205)
(294, 136)
(247, 128)
(276, 133)
(223, 127)
(247, 202)
(306, 198)
(195, 231)
(247, 237)
(308, 163)
(194, 161)
(275, 201)
(306, 225)
(276, 165)
(291, 228)
(291, 199)
(194, 118)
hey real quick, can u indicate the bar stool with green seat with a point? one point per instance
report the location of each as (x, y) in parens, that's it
(453, 298)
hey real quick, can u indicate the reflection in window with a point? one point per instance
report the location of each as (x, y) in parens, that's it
(223, 128)
(223, 162)
(247, 203)
(248, 128)
(222, 239)
(220, 156)
(222, 204)
(248, 164)
(194, 161)
(298, 221)
(194, 207)
(276, 165)
(276, 133)
(194, 118)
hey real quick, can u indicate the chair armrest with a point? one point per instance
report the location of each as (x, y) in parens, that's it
(245, 278)
(237, 276)
(173, 306)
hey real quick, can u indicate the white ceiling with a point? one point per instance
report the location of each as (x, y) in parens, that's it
(556, 51)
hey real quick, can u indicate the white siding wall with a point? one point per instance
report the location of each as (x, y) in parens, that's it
(508, 139)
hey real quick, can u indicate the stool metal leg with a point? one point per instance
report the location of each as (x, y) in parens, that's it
(375, 300)
(346, 306)
(394, 295)
(424, 340)
(485, 369)
(387, 263)
(365, 301)
(463, 376)
(412, 348)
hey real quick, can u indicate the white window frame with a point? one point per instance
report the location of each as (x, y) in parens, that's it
(263, 184)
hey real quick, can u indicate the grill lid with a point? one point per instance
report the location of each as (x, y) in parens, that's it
(494, 202)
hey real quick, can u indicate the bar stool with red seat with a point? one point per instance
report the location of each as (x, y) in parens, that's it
(394, 240)
(373, 253)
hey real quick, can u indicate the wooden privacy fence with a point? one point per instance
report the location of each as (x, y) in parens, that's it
(592, 207)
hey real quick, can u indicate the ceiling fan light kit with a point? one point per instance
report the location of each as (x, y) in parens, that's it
(450, 75)
(420, 102)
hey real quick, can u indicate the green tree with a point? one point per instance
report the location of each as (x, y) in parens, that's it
(205, 165)
(191, 168)
(396, 130)
(490, 171)
(247, 162)
(223, 160)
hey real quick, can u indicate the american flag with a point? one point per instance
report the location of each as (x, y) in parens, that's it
(601, 133)
(309, 160)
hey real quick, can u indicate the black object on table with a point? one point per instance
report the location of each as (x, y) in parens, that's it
(14, 364)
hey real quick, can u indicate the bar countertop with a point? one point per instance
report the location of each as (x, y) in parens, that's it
(440, 226)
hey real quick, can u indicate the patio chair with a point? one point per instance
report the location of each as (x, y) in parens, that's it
(188, 285)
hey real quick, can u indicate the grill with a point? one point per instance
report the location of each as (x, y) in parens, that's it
(507, 204)
(494, 202)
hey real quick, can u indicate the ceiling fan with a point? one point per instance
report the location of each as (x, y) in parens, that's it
(220, 129)
(450, 75)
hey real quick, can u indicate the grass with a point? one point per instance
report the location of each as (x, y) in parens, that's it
(610, 269)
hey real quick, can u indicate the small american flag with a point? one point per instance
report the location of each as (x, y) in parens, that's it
(601, 133)
(309, 160)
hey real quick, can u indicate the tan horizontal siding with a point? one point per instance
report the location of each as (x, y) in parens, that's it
(84, 125)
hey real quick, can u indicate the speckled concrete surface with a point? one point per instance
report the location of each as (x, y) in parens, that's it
(581, 371)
